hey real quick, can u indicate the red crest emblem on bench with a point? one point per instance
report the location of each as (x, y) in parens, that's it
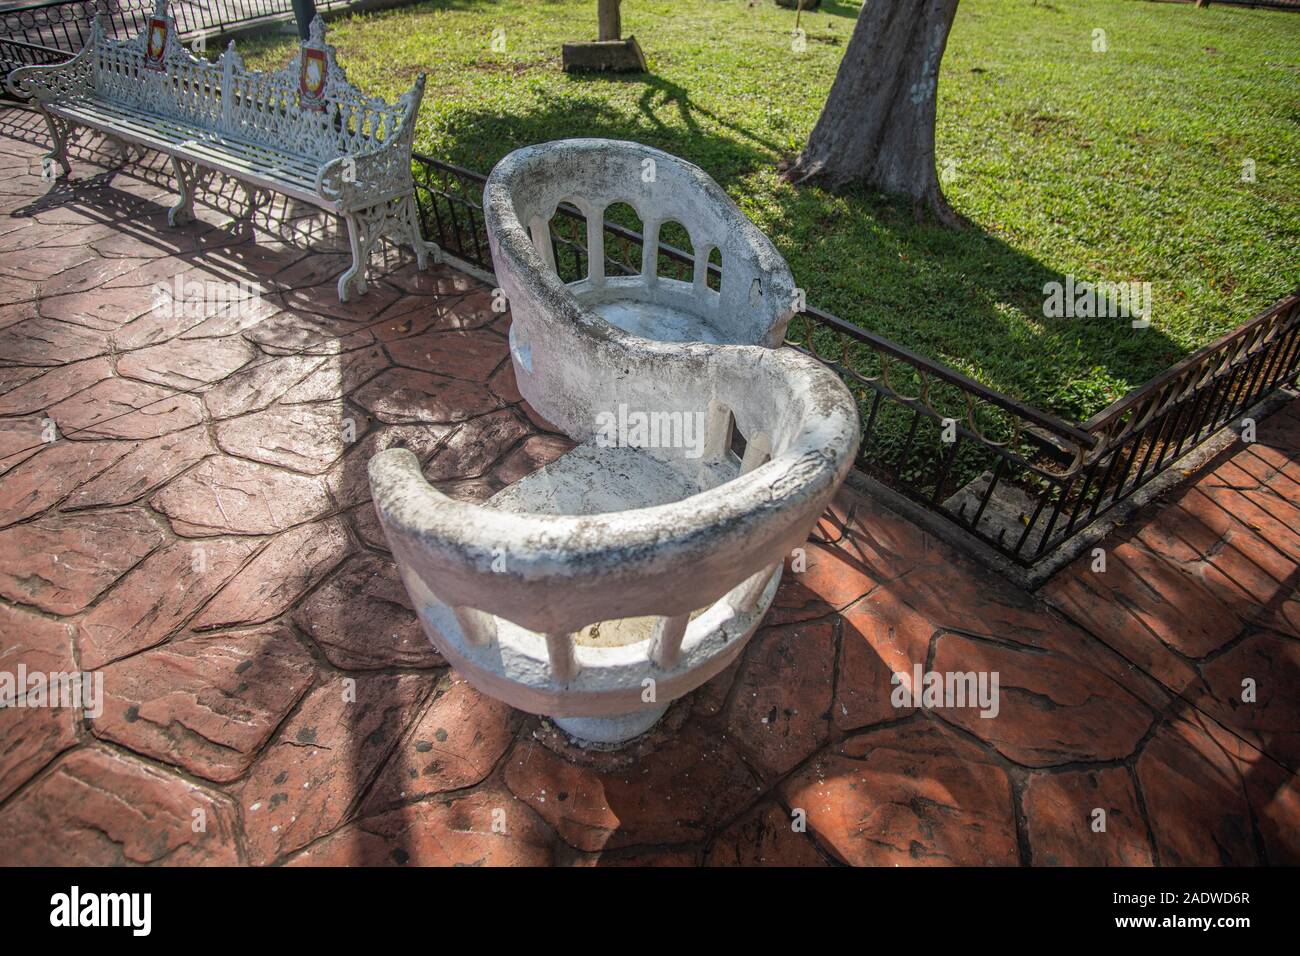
(311, 79)
(157, 45)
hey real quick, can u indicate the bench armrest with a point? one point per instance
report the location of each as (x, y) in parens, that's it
(362, 179)
(376, 174)
(52, 82)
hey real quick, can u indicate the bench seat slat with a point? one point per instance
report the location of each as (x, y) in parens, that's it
(230, 156)
(171, 131)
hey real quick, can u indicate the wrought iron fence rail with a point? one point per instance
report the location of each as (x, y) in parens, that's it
(1044, 420)
(66, 24)
(1244, 336)
(15, 53)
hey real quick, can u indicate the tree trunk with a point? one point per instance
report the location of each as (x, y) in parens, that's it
(304, 11)
(611, 26)
(877, 128)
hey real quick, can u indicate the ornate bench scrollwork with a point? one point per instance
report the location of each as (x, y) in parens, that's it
(303, 131)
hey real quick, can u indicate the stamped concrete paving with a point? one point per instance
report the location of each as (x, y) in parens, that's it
(200, 533)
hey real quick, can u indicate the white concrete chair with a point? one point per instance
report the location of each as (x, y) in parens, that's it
(635, 567)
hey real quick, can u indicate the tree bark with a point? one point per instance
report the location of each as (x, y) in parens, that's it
(611, 25)
(877, 128)
(304, 11)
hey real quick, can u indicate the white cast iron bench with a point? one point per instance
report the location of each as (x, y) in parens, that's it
(304, 132)
(616, 579)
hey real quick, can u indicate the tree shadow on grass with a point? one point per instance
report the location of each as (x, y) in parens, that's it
(477, 139)
(830, 8)
(962, 297)
(849, 10)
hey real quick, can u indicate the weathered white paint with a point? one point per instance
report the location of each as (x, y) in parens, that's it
(684, 553)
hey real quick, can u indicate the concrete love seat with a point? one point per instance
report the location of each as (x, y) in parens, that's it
(635, 567)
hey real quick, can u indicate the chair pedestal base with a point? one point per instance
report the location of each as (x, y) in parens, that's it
(611, 731)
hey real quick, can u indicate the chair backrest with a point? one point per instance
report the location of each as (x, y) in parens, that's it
(161, 76)
(756, 299)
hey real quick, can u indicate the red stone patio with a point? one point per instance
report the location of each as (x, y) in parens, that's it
(200, 532)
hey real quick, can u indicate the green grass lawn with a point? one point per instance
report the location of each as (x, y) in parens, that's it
(1120, 165)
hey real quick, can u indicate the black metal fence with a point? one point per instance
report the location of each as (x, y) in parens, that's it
(1149, 429)
(1019, 479)
(55, 24)
(65, 25)
(16, 53)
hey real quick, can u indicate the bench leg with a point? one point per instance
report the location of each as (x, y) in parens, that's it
(399, 219)
(183, 211)
(125, 151)
(410, 232)
(254, 198)
(360, 238)
(58, 153)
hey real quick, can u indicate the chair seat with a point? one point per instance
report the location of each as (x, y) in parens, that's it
(670, 311)
(659, 322)
(286, 172)
(592, 479)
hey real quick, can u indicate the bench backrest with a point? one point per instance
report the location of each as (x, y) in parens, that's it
(169, 81)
